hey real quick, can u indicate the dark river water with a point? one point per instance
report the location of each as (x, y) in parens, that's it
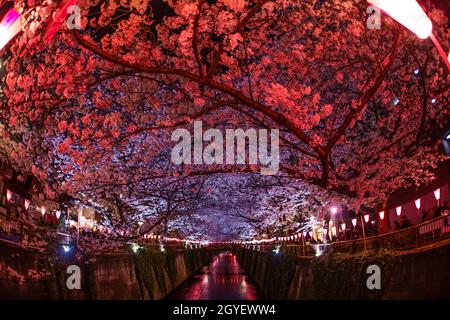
(223, 279)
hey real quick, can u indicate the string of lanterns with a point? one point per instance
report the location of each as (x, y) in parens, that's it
(297, 236)
(27, 204)
(169, 239)
(334, 210)
(417, 203)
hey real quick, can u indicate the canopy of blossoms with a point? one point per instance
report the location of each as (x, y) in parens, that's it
(90, 110)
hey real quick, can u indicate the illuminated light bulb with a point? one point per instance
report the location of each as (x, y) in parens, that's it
(27, 204)
(354, 222)
(423, 28)
(381, 215)
(398, 210)
(334, 210)
(409, 13)
(366, 218)
(417, 203)
(437, 194)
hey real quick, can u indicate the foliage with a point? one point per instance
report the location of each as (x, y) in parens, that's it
(344, 276)
(150, 264)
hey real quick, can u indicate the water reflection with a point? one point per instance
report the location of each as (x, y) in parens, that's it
(223, 279)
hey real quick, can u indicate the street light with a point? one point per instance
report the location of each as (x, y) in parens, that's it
(411, 15)
(9, 27)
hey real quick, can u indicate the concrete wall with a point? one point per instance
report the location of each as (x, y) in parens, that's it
(15, 263)
(109, 276)
(278, 278)
(420, 274)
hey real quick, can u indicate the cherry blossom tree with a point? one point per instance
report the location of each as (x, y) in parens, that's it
(358, 109)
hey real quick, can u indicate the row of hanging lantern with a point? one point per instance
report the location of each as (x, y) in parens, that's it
(27, 204)
(295, 237)
(417, 203)
(169, 239)
(332, 229)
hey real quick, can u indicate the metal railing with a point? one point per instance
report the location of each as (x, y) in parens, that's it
(410, 238)
(413, 237)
